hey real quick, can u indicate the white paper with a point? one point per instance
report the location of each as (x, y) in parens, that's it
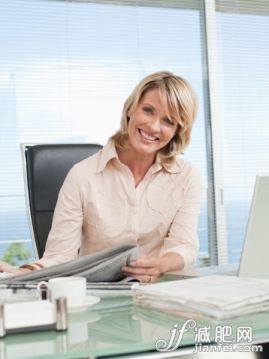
(29, 314)
(217, 296)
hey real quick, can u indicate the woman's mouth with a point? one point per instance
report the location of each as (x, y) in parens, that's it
(147, 137)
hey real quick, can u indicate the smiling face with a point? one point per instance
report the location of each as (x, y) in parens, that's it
(150, 128)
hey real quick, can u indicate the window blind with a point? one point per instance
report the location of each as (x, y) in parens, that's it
(243, 33)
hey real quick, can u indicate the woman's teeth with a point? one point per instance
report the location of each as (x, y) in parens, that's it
(147, 137)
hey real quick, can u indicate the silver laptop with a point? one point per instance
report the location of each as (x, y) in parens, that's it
(254, 260)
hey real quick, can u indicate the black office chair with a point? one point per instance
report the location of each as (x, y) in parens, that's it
(45, 168)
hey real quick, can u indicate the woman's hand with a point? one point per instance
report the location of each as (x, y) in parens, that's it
(146, 269)
(6, 267)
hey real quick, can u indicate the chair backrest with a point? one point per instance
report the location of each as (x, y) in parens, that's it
(46, 167)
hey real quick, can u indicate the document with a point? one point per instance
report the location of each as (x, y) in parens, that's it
(214, 296)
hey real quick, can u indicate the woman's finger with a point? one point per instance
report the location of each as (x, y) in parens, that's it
(137, 271)
(6, 267)
(144, 278)
(145, 262)
(132, 271)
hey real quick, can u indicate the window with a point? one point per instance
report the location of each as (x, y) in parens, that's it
(66, 69)
(242, 33)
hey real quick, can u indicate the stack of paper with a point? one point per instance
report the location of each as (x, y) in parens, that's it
(214, 296)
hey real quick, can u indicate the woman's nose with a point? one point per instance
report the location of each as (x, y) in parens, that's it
(154, 125)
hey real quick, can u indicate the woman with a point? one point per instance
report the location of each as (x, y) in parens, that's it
(135, 190)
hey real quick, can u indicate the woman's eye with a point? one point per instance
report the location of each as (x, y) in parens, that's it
(169, 121)
(147, 109)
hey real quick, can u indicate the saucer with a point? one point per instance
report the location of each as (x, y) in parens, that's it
(88, 301)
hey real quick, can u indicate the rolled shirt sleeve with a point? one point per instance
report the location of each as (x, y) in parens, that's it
(65, 236)
(182, 237)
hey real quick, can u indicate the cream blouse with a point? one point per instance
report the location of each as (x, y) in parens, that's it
(99, 207)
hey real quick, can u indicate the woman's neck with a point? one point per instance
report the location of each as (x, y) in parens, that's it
(138, 164)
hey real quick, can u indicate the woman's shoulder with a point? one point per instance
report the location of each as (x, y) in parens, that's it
(86, 168)
(187, 173)
(184, 167)
(97, 163)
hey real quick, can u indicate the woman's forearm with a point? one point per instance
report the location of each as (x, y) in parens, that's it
(171, 262)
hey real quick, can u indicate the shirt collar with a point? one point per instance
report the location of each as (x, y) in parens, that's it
(109, 152)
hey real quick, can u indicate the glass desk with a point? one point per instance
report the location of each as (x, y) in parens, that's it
(116, 327)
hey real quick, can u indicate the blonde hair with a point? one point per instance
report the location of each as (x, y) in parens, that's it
(178, 97)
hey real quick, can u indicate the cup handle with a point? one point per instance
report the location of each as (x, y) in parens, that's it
(42, 287)
(42, 284)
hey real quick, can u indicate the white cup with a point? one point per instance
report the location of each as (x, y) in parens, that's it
(72, 288)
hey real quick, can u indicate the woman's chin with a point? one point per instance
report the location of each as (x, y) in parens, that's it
(146, 150)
